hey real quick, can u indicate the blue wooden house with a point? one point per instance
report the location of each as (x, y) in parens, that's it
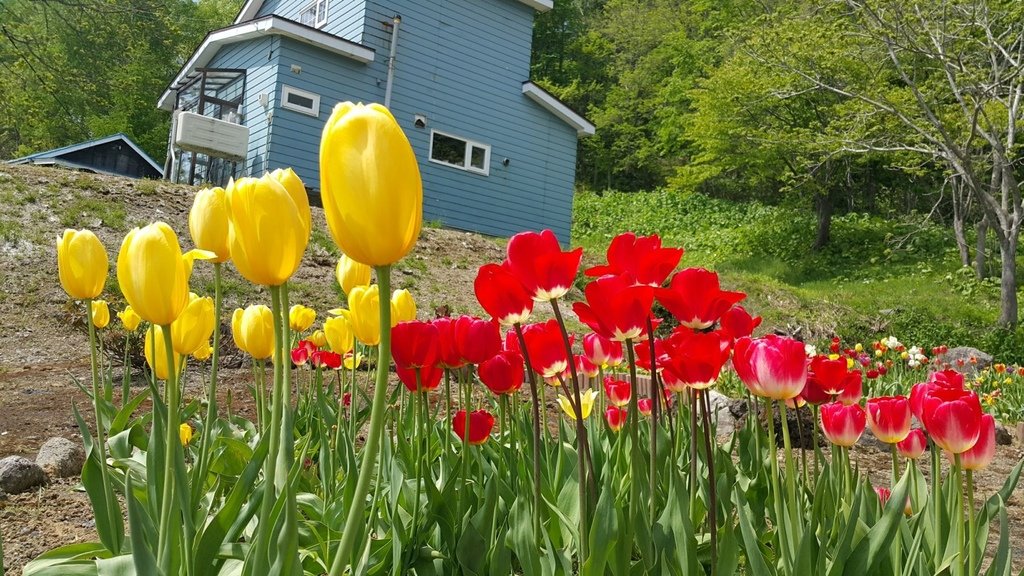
(116, 154)
(497, 152)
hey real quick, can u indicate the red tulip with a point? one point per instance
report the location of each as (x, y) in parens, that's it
(947, 379)
(829, 374)
(601, 351)
(696, 358)
(414, 344)
(852, 389)
(981, 454)
(641, 259)
(477, 340)
(772, 367)
(302, 352)
(696, 299)
(511, 342)
(429, 377)
(618, 391)
(547, 351)
(913, 445)
(503, 373)
(737, 322)
(645, 406)
(953, 418)
(325, 359)
(883, 495)
(537, 260)
(889, 418)
(502, 295)
(812, 392)
(448, 352)
(481, 422)
(616, 418)
(642, 354)
(842, 424)
(615, 308)
(585, 367)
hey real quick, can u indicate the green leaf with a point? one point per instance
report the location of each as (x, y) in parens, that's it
(117, 566)
(109, 521)
(751, 545)
(872, 549)
(1002, 564)
(604, 532)
(72, 560)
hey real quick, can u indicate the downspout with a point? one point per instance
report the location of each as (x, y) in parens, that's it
(391, 61)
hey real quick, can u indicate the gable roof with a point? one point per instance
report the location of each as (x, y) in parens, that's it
(53, 156)
(252, 7)
(547, 100)
(248, 30)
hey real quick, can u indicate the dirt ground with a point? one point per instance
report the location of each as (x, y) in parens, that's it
(43, 346)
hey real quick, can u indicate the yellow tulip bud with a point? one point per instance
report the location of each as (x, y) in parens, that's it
(301, 318)
(82, 264)
(208, 222)
(156, 353)
(370, 184)
(203, 353)
(858, 347)
(100, 313)
(193, 327)
(586, 400)
(319, 338)
(350, 274)
(352, 361)
(403, 307)
(185, 433)
(253, 331)
(153, 273)
(339, 334)
(268, 230)
(364, 315)
(129, 319)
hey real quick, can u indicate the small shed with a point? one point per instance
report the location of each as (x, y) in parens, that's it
(115, 154)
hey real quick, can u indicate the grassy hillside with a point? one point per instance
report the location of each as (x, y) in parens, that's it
(878, 276)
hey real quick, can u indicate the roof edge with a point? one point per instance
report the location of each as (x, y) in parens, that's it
(55, 153)
(552, 104)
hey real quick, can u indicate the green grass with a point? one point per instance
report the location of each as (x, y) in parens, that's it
(896, 275)
(81, 211)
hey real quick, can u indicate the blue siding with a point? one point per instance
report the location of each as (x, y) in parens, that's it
(344, 17)
(296, 136)
(258, 58)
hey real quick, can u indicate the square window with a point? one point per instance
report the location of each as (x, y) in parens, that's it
(460, 153)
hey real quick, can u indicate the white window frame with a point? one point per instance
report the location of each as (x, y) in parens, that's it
(286, 90)
(318, 7)
(470, 144)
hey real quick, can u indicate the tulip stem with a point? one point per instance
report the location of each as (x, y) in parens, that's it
(777, 498)
(693, 447)
(958, 486)
(113, 513)
(895, 465)
(633, 415)
(126, 377)
(656, 393)
(536, 428)
(377, 413)
(971, 559)
(171, 439)
(814, 439)
(199, 476)
(794, 506)
(712, 481)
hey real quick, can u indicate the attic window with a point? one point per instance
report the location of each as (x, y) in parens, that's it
(314, 14)
(300, 101)
(460, 153)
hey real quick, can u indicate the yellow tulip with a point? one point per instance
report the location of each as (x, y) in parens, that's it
(292, 184)
(129, 319)
(350, 274)
(253, 330)
(153, 273)
(156, 354)
(301, 318)
(203, 353)
(100, 313)
(82, 264)
(586, 399)
(208, 222)
(370, 184)
(339, 334)
(319, 338)
(185, 433)
(193, 327)
(403, 307)
(364, 315)
(352, 361)
(268, 230)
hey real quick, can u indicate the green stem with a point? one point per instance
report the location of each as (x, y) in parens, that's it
(199, 477)
(712, 482)
(635, 465)
(971, 555)
(289, 542)
(818, 456)
(895, 465)
(794, 505)
(126, 377)
(168, 500)
(777, 498)
(113, 514)
(377, 413)
(536, 428)
(419, 400)
(693, 448)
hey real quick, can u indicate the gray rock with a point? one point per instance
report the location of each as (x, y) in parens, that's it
(725, 412)
(61, 458)
(1003, 437)
(869, 440)
(18, 474)
(960, 359)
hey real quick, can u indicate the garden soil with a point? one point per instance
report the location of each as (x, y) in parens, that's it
(43, 344)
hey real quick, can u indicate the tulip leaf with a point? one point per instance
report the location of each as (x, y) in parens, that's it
(1011, 482)
(109, 521)
(871, 550)
(844, 547)
(751, 545)
(117, 566)
(522, 538)
(144, 533)
(1002, 564)
(71, 560)
(120, 422)
(604, 530)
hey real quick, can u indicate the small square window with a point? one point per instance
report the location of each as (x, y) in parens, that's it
(460, 153)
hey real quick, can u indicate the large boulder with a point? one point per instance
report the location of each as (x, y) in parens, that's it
(18, 474)
(725, 412)
(963, 359)
(61, 458)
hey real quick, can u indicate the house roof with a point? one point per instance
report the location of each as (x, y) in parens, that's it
(53, 156)
(247, 30)
(252, 7)
(558, 108)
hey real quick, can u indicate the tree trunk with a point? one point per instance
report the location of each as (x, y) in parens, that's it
(979, 250)
(958, 226)
(823, 207)
(1008, 283)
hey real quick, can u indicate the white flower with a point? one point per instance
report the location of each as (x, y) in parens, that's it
(810, 350)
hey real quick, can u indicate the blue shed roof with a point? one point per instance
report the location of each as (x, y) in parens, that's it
(57, 152)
